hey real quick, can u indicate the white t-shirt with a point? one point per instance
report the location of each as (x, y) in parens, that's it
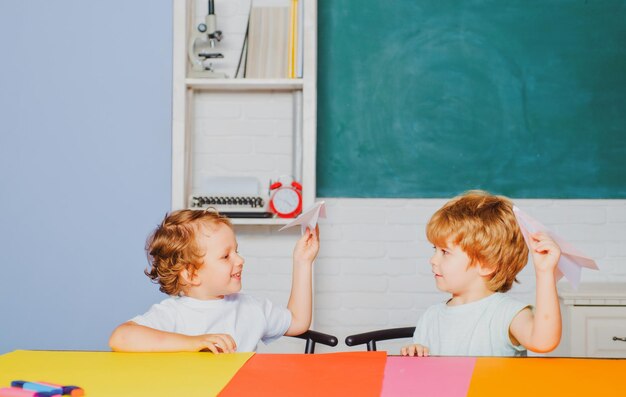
(247, 319)
(478, 328)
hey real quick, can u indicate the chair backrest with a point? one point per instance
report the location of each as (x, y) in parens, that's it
(370, 338)
(313, 337)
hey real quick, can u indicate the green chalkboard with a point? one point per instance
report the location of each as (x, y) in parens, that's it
(429, 98)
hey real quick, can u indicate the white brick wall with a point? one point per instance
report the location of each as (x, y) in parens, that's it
(241, 134)
(373, 270)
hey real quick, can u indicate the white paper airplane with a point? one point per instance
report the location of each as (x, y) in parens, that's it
(571, 261)
(308, 218)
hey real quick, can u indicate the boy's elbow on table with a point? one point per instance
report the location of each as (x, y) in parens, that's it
(115, 340)
(545, 347)
(118, 341)
(542, 349)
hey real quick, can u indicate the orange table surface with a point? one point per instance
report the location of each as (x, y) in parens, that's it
(545, 376)
(361, 375)
(331, 374)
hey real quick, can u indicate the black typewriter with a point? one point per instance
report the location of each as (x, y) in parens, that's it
(233, 206)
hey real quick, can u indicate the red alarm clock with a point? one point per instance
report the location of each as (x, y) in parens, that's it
(286, 200)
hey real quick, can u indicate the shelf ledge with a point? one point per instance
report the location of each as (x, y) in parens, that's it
(260, 221)
(245, 84)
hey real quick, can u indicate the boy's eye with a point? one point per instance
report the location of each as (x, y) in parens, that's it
(443, 250)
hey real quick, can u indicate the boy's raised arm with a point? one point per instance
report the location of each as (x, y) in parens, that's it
(541, 331)
(132, 337)
(301, 301)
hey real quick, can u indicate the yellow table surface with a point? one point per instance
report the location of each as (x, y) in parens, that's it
(125, 374)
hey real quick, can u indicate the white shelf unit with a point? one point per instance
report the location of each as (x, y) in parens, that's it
(191, 94)
(594, 320)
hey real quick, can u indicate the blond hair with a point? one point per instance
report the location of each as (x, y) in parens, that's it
(485, 228)
(172, 247)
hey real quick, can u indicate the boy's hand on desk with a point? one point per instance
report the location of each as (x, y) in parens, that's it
(216, 343)
(545, 252)
(307, 247)
(415, 350)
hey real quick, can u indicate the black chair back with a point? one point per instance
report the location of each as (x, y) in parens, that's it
(314, 337)
(370, 338)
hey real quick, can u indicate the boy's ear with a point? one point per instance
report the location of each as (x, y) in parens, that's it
(189, 276)
(485, 271)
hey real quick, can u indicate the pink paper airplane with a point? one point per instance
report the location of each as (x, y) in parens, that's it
(571, 261)
(308, 218)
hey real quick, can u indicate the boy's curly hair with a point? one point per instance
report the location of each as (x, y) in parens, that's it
(485, 228)
(172, 247)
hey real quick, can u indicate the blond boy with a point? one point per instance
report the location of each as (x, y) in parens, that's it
(479, 250)
(194, 258)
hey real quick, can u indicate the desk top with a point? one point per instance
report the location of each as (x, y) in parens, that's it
(125, 374)
(331, 374)
(603, 294)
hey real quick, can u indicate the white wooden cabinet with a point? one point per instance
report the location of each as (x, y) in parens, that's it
(196, 101)
(594, 320)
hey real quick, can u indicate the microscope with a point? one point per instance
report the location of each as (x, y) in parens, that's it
(201, 48)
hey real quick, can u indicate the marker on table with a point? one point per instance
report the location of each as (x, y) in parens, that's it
(73, 391)
(19, 392)
(37, 386)
(69, 390)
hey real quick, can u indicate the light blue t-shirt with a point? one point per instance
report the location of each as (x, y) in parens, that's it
(246, 318)
(478, 328)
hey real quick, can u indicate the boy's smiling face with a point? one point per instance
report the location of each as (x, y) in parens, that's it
(452, 270)
(222, 266)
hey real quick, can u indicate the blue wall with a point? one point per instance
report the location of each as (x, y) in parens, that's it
(85, 119)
